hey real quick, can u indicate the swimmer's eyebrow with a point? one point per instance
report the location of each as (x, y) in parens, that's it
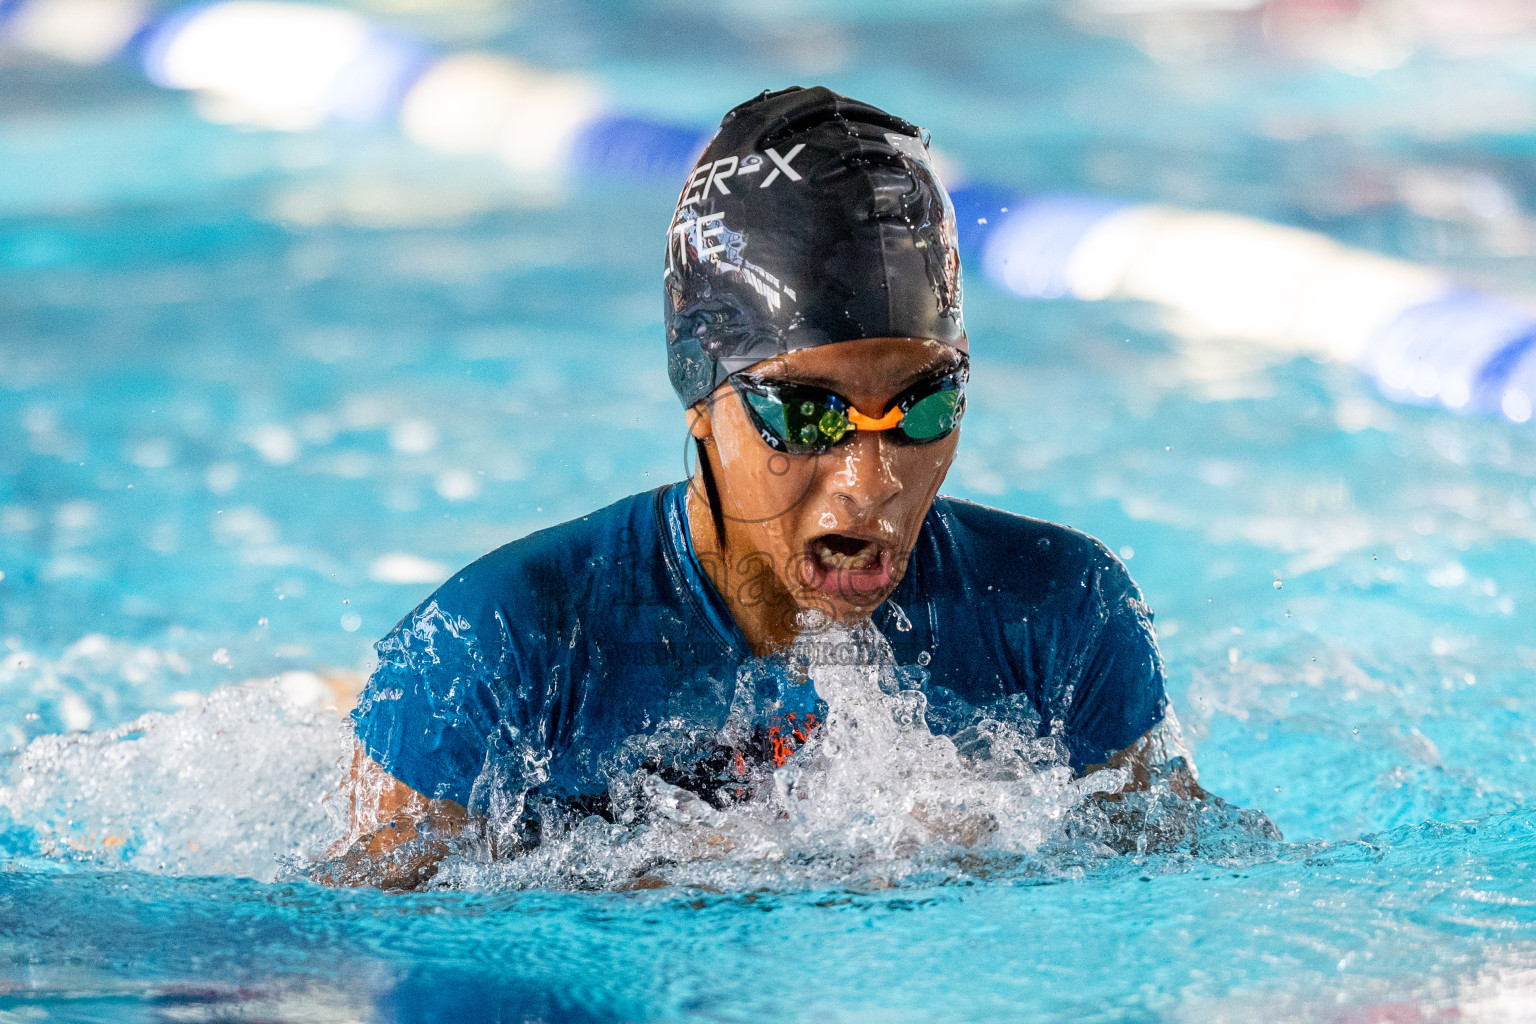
(939, 365)
(936, 366)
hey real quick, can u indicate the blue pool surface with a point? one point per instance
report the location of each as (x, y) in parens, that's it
(255, 388)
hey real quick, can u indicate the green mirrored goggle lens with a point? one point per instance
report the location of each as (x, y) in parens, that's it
(770, 410)
(933, 416)
(806, 423)
(800, 422)
(831, 424)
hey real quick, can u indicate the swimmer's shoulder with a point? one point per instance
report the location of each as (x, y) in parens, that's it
(559, 559)
(585, 545)
(1020, 552)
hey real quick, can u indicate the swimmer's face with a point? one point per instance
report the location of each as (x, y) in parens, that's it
(835, 530)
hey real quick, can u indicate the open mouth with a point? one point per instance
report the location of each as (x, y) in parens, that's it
(848, 567)
(840, 551)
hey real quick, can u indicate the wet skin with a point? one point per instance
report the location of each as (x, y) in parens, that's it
(813, 538)
(859, 507)
(807, 539)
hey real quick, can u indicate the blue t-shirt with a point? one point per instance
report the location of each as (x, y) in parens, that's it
(599, 646)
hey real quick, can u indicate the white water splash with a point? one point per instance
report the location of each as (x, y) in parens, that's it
(238, 784)
(245, 783)
(873, 798)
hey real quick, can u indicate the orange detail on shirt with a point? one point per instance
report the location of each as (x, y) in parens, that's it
(783, 749)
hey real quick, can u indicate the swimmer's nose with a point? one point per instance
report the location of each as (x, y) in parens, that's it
(866, 475)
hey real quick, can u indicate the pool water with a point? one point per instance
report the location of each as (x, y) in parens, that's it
(258, 391)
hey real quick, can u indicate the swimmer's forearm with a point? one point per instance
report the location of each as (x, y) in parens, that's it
(397, 836)
(1159, 755)
(392, 857)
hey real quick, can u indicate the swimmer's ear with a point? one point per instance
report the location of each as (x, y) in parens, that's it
(700, 423)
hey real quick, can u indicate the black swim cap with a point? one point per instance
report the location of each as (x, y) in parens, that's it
(810, 219)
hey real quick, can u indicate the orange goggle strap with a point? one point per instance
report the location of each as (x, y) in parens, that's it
(886, 422)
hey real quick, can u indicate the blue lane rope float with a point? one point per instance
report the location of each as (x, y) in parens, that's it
(1418, 334)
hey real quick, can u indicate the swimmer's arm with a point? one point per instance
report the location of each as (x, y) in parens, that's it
(1158, 826)
(396, 836)
(1148, 760)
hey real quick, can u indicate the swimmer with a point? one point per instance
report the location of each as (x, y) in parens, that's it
(816, 342)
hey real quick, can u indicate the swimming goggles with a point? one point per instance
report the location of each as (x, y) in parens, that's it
(802, 419)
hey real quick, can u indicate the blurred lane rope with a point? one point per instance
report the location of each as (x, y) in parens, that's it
(292, 66)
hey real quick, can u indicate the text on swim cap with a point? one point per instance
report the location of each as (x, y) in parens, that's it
(711, 176)
(699, 234)
(781, 163)
(715, 228)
